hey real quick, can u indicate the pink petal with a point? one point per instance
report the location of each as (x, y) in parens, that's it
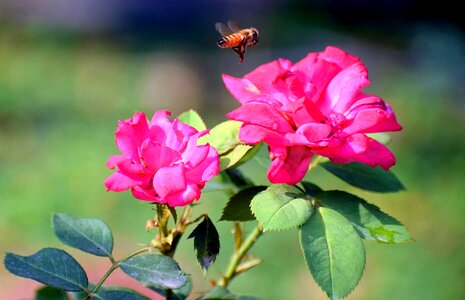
(371, 114)
(259, 81)
(187, 196)
(261, 114)
(253, 134)
(307, 113)
(364, 101)
(339, 57)
(290, 86)
(156, 156)
(146, 195)
(169, 180)
(160, 119)
(343, 90)
(295, 139)
(204, 170)
(315, 73)
(289, 164)
(160, 126)
(118, 182)
(184, 129)
(373, 120)
(263, 76)
(130, 134)
(285, 64)
(242, 89)
(360, 148)
(314, 131)
(390, 124)
(173, 134)
(114, 160)
(193, 154)
(290, 108)
(134, 171)
(178, 136)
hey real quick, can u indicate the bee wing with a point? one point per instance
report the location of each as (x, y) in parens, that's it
(223, 29)
(234, 26)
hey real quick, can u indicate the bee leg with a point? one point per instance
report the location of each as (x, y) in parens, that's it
(240, 50)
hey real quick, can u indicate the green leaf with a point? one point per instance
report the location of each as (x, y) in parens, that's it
(192, 118)
(224, 136)
(178, 294)
(365, 177)
(238, 206)
(281, 207)
(82, 294)
(118, 293)
(369, 221)
(221, 293)
(49, 266)
(154, 270)
(232, 157)
(206, 243)
(333, 252)
(89, 235)
(50, 293)
(110, 293)
(310, 188)
(250, 154)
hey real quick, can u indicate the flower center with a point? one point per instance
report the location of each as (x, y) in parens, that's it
(336, 121)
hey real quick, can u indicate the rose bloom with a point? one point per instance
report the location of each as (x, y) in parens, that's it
(161, 161)
(312, 107)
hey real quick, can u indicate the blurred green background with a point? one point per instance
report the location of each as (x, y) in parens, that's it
(70, 69)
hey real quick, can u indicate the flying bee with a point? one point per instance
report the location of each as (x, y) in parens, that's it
(236, 38)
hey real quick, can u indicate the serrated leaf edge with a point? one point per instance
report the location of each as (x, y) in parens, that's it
(243, 190)
(308, 266)
(204, 270)
(200, 117)
(280, 229)
(379, 209)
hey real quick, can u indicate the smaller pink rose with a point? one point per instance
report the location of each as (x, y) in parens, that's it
(161, 161)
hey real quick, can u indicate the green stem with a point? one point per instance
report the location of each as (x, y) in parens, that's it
(238, 235)
(174, 244)
(185, 215)
(231, 271)
(114, 266)
(112, 259)
(196, 220)
(146, 249)
(163, 215)
(105, 277)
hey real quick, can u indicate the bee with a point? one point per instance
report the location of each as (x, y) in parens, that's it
(236, 38)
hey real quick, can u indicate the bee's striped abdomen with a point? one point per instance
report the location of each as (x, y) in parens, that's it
(231, 40)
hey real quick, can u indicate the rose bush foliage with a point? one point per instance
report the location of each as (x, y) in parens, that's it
(313, 107)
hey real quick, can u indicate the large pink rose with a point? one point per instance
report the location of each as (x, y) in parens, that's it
(312, 107)
(161, 161)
